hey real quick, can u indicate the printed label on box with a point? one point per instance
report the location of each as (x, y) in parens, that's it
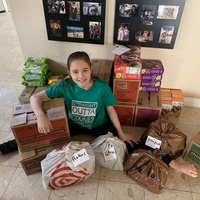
(194, 154)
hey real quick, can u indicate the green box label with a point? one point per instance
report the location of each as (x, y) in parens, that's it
(194, 154)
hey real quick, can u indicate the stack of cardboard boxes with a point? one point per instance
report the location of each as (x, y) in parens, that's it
(151, 75)
(172, 102)
(33, 146)
(137, 88)
(148, 108)
(126, 83)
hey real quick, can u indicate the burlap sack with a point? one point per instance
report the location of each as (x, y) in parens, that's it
(173, 140)
(147, 169)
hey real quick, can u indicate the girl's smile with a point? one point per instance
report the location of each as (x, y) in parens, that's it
(80, 73)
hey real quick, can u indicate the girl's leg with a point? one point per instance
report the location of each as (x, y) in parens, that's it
(185, 168)
(74, 128)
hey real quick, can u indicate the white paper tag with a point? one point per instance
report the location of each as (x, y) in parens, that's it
(120, 50)
(110, 153)
(153, 142)
(80, 157)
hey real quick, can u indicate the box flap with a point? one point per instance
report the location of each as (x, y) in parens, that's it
(26, 92)
(19, 119)
(19, 109)
(155, 99)
(143, 99)
(196, 138)
(56, 113)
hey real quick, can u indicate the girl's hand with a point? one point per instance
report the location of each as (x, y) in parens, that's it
(128, 138)
(43, 123)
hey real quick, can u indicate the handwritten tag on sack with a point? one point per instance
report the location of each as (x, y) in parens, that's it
(153, 142)
(109, 153)
(80, 157)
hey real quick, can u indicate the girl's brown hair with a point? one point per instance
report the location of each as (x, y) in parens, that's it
(78, 55)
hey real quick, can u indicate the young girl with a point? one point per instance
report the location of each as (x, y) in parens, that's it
(89, 103)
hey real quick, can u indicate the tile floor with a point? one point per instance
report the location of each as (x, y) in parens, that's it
(104, 184)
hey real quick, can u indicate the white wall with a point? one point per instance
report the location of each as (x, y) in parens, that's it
(182, 65)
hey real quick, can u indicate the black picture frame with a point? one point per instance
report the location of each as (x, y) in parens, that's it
(81, 21)
(150, 23)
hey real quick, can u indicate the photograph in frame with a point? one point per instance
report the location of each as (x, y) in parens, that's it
(55, 6)
(75, 32)
(92, 8)
(144, 36)
(74, 11)
(167, 12)
(166, 34)
(94, 30)
(128, 10)
(147, 14)
(123, 32)
(55, 27)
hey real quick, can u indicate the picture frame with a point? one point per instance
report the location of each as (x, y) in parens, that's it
(81, 21)
(150, 23)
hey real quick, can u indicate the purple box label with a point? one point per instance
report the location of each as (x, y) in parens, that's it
(150, 84)
(152, 71)
(149, 89)
(151, 77)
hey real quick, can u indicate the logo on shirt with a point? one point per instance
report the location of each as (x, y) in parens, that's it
(84, 113)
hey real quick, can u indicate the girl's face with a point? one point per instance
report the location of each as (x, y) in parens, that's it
(80, 73)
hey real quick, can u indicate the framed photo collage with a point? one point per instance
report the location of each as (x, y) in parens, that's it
(75, 21)
(148, 23)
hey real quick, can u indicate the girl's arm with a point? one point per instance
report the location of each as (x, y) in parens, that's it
(115, 120)
(43, 123)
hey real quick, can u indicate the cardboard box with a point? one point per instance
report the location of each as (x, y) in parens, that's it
(154, 83)
(24, 125)
(149, 89)
(192, 152)
(125, 114)
(152, 67)
(127, 69)
(31, 160)
(150, 85)
(126, 91)
(172, 102)
(101, 69)
(148, 108)
(25, 95)
(27, 92)
(151, 77)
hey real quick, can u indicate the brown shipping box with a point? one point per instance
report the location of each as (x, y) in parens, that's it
(192, 152)
(27, 92)
(101, 69)
(172, 102)
(148, 108)
(126, 91)
(125, 113)
(31, 160)
(24, 125)
(25, 95)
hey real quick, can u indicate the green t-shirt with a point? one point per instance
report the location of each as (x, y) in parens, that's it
(87, 108)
